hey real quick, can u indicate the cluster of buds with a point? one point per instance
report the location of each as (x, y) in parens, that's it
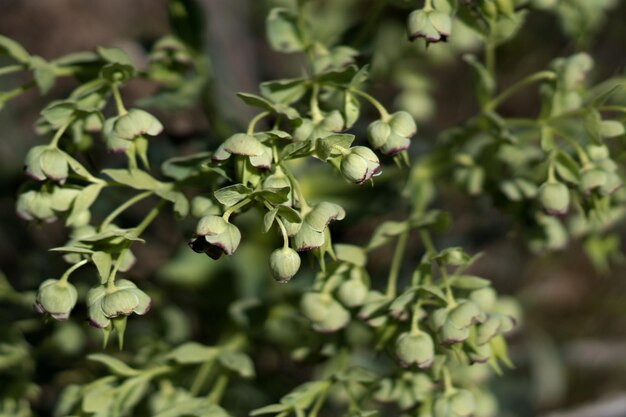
(430, 23)
(392, 135)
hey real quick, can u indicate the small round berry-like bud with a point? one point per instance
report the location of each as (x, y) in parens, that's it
(284, 264)
(378, 132)
(315, 306)
(56, 298)
(554, 197)
(415, 349)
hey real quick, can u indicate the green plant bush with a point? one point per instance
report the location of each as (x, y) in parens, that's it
(422, 340)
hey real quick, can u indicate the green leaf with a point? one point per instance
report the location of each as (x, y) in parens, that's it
(197, 407)
(284, 91)
(237, 362)
(103, 263)
(43, 72)
(567, 168)
(72, 249)
(469, 282)
(296, 150)
(58, 113)
(115, 56)
(273, 195)
(351, 254)
(484, 84)
(134, 178)
(289, 214)
(74, 58)
(611, 128)
(282, 31)
(268, 219)
(113, 364)
(83, 201)
(269, 409)
(192, 353)
(263, 103)
(185, 167)
(357, 374)
(231, 195)
(386, 232)
(332, 145)
(129, 394)
(13, 49)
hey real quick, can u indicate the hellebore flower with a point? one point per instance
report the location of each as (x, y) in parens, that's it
(56, 298)
(331, 123)
(311, 233)
(360, 164)
(244, 144)
(215, 237)
(393, 135)
(46, 162)
(415, 349)
(120, 131)
(326, 314)
(460, 403)
(432, 25)
(105, 304)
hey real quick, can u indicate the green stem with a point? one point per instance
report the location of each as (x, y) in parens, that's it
(217, 392)
(11, 94)
(59, 133)
(10, 69)
(396, 263)
(621, 109)
(296, 186)
(384, 115)
(533, 78)
(490, 57)
(255, 120)
(427, 241)
(119, 104)
(123, 207)
(447, 381)
(234, 208)
(66, 274)
(201, 376)
(319, 402)
(582, 155)
(283, 230)
(415, 329)
(428, 5)
(316, 114)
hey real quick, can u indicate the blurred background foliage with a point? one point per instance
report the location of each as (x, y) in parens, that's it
(570, 348)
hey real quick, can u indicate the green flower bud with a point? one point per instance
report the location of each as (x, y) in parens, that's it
(432, 25)
(488, 8)
(307, 238)
(485, 298)
(598, 153)
(465, 314)
(336, 319)
(488, 330)
(421, 386)
(395, 144)
(360, 164)
(480, 354)
(415, 349)
(613, 183)
(56, 298)
(378, 132)
(284, 264)
(215, 237)
(136, 123)
(315, 306)
(309, 130)
(352, 293)
(452, 334)
(403, 124)
(462, 403)
(554, 197)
